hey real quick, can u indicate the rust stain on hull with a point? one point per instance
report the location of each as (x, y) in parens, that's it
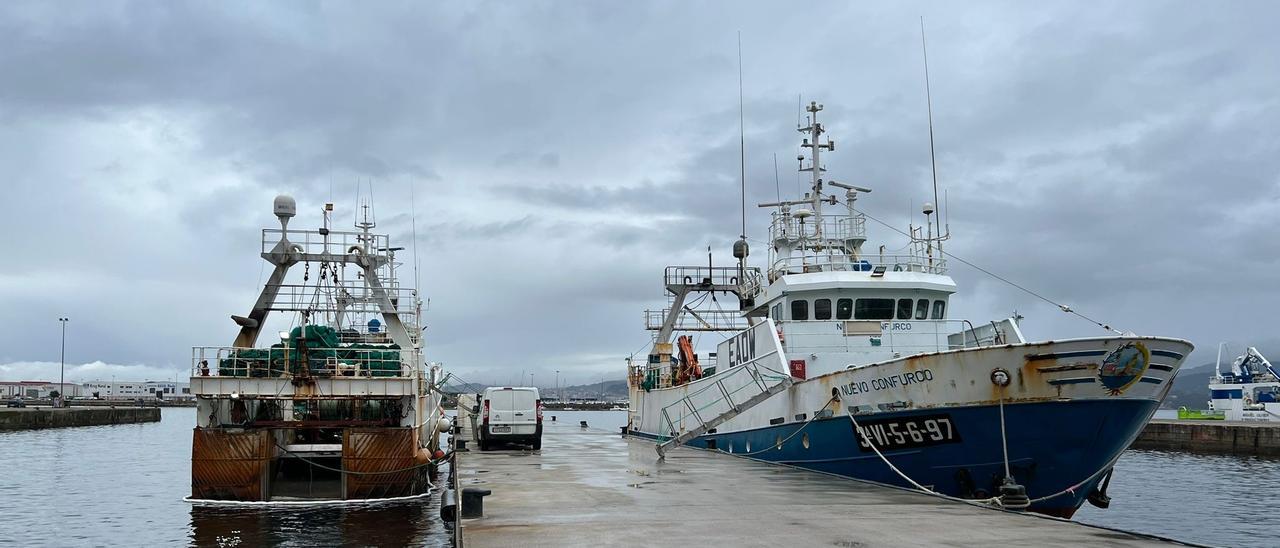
(229, 465)
(368, 451)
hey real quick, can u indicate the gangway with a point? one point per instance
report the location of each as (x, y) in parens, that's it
(752, 377)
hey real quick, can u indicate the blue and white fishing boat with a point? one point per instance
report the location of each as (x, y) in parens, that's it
(849, 362)
(1248, 391)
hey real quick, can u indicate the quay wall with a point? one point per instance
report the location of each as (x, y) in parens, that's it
(1234, 438)
(31, 418)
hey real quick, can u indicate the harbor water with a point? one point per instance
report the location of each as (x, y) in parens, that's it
(125, 484)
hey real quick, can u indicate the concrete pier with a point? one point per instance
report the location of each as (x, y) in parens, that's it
(593, 488)
(1235, 438)
(26, 418)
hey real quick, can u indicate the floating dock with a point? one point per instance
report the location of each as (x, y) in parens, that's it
(29, 418)
(1226, 437)
(590, 487)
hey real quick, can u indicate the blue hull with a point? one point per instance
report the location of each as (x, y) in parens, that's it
(1052, 446)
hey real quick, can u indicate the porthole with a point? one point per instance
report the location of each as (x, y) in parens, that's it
(804, 440)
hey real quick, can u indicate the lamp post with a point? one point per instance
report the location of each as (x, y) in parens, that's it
(557, 385)
(62, 369)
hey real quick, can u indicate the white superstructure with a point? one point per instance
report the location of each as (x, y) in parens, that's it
(1248, 391)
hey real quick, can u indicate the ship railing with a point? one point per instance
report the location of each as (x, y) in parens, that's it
(840, 262)
(834, 227)
(709, 275)
(345, 296)
(697, 320)
(730, 391)
(346, 362)
(903, 337)
(336, 243)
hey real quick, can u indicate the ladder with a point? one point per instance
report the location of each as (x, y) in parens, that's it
(725, 401)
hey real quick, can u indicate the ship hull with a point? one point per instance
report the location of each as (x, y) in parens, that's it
(1070, 408)
(1052, 447)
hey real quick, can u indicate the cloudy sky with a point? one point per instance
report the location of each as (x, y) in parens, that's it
(1121, 157)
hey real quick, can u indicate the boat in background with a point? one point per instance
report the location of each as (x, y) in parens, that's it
(343, 406)
(1249, 391)
(849, 362)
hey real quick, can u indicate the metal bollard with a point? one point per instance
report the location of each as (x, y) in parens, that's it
(582, 424)
(449, 505)
(473, 501)
(460, 444)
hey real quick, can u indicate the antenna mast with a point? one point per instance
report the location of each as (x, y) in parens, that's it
(933, 163)
(742, 141)
(740, 248)
(815, 146)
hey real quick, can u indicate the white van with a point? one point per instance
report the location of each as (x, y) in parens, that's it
(510, 414)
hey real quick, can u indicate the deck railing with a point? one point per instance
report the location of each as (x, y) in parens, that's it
(698, 320)
(903, 337)
(221, 361)
(334, 243)
(834, 227)
(839, 262)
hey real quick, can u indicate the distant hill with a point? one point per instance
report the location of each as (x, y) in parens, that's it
(1190, 388)
(608, 390)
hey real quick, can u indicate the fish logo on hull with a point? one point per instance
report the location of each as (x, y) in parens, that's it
(1123, 367)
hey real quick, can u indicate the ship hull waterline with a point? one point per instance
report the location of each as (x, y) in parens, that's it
(1069, 412)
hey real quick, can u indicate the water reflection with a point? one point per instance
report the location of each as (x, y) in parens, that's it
(392, 524)
(1215, 499)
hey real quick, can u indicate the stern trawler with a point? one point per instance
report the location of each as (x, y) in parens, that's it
(342, 406)
(849, 362)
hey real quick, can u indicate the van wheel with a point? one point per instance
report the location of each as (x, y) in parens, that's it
(484, 445)
(537, 444)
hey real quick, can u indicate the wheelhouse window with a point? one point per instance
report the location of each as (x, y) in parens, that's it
(777, 311)
(822, 309)
(939, 308)
(922, 309)
(904, 309)
(844, 309)
(873, 309)
(799, 309)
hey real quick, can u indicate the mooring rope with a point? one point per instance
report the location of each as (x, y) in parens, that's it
(777, 446)
(1004, 441)
(976, 502)
(1060, 306)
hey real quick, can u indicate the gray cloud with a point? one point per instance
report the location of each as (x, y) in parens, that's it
(1117, 157)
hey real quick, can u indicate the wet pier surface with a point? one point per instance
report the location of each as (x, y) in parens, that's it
(595, 488)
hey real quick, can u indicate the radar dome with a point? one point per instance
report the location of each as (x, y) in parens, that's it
(285, 206)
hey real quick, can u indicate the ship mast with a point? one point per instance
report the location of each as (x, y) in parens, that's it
(814, 144)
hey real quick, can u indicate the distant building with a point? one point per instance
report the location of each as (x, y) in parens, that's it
(104, 390)
(132, 390)
(37, 389)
